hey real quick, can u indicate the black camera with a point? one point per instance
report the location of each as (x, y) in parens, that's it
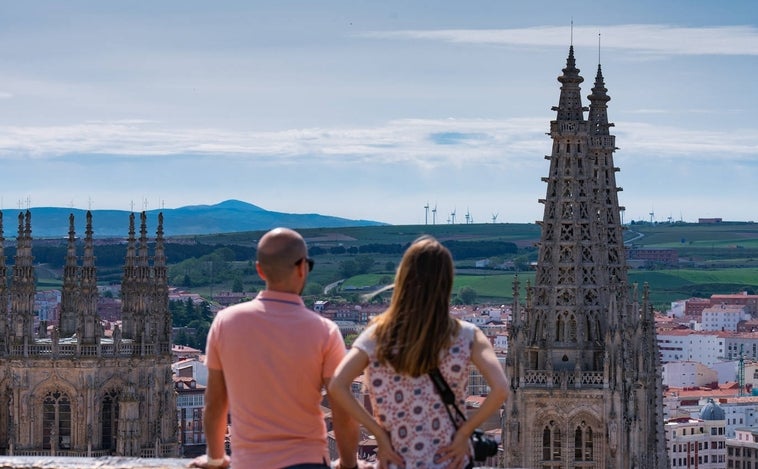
(484, 445)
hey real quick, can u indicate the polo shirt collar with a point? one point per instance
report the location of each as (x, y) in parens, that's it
(277, 296)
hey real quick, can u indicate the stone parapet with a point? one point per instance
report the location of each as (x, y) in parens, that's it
(109, 462)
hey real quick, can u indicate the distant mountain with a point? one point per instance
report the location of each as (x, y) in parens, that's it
(229, 216)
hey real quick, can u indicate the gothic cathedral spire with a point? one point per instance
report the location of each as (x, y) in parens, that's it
(70, 289)
(23, 285)
(3, 291)
(576, 397)
(89, 321)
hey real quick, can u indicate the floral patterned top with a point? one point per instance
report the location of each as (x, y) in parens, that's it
(410, 408)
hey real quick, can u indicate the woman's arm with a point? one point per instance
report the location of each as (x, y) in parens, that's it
(484, 358)
(340, 393)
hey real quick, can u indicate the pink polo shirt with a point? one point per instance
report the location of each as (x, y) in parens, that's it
(275, 354)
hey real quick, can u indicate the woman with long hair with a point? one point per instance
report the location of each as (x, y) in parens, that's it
(401, 346)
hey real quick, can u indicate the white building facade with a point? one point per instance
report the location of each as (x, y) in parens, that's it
(723, 317)
(688, 345)
(688, 374)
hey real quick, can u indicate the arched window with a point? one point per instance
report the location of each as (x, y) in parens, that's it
(109, 420)
(583, 450)
(56, 420)
(551, 446)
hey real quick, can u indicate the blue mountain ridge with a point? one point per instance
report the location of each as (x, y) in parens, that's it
(229, 216)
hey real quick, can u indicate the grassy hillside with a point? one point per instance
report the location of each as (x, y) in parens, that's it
(720, 258)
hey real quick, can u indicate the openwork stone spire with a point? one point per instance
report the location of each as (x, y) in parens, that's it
(161, 311)
(23, 286)
(3, 290)
(89, 321)
(145, 326)
(129, 285)
(570, 103)
(70, 291)
(582, 354)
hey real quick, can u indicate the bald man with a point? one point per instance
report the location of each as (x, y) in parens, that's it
(268, 361)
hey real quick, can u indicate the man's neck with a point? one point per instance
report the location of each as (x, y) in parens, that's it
(283, 289)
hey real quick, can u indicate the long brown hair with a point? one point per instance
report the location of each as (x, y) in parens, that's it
(417, 326)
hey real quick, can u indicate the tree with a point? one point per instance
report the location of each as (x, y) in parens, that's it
(225, 253)
(348, 268)
(314, 289)
(364, 263)
(337, 250)
(182, 338)
(237, 286)
(467, 295)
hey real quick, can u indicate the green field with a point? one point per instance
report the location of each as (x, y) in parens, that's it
(714, 258)
(720, 258)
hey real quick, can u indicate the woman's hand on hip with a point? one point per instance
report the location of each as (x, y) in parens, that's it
(456, 452)
(385, 453)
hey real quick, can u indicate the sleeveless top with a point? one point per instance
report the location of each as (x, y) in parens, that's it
(410, 408)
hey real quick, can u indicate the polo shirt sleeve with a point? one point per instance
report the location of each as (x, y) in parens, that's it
(334, 352)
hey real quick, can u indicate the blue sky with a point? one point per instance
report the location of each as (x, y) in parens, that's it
(371, 109)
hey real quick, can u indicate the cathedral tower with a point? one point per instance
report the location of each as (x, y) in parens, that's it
(582, 357)
(3, 292)
(78, 391)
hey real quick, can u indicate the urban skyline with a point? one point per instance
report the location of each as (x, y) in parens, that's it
(370, 111)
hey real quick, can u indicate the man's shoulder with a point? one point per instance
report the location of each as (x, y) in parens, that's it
(244, 307)
(316, 317)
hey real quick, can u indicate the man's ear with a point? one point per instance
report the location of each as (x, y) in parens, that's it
(259, 270)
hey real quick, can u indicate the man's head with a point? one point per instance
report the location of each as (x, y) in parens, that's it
(282, 260)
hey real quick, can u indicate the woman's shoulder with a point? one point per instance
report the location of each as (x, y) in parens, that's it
(366, 340)
(466, 328)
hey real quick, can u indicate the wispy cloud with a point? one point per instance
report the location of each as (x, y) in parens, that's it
(641, 38)
(663, 141)
(425, 142)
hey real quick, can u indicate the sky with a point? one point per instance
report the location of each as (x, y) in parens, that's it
(368, 109)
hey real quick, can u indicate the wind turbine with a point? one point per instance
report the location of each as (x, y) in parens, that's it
(468, 216)
(452, 216)
(426, 214)
(434, 215)
(652, 214)
(494, 217)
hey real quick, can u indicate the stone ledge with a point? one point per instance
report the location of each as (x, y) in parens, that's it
(108, 462)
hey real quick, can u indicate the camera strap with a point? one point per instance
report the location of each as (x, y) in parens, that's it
(448, 398)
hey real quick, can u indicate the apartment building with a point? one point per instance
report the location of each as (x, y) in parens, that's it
(190, 401)
(688, 374)
(742, 450)
(723, 317)
(688, 345)
(698, 443)
(740, 345)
